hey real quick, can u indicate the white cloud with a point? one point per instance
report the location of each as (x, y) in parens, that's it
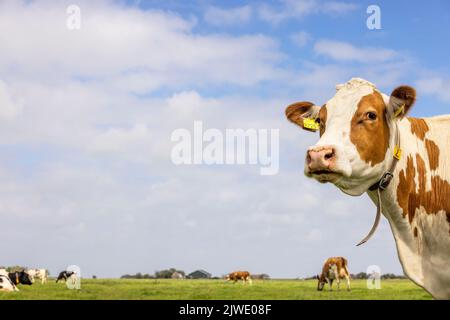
(228, 17)
(435, 85)
(343, 51)
(314, 235)
(120, 140)
(9, 109)
(114, 41)
(300, 38)
(336, 7)
(189, 104)
(340, 208)
(290, 9)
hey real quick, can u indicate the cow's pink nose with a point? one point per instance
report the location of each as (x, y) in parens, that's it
(320, 158)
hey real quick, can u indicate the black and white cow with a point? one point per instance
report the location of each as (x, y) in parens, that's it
(6, 284)
(65, 275)
(20, 277)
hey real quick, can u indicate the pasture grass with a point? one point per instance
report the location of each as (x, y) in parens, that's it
(121, 289)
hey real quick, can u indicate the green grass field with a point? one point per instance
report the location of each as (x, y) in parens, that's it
(214, 289)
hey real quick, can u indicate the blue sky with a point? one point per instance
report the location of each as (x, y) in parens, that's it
(86, 118)
(415, 30)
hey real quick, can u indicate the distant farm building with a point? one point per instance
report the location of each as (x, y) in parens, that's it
(199, 274)
(261, 276)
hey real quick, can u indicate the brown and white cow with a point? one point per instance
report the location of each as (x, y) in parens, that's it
(239, 275)
(335, 268)
(358, 128)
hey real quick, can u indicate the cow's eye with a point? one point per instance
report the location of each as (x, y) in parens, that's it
(371, 115)
(318, 120)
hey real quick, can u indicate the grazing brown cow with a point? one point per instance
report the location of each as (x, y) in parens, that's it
(239, 275)
(334, 268)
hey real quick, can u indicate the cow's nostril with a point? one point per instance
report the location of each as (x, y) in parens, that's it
(329, 155)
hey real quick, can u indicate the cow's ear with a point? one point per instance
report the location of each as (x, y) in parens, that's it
(401, 101)
(304, 114)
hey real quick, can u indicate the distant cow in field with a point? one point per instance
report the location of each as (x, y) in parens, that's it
(65, 275)
(333, 269)
(239, 275)
(20, 277)
(41, 274)
(6, 284)
(261, 276)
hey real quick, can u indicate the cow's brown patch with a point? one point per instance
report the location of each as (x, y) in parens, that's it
(418, 127)
(433, 153)
(323, 119)
(364, 131)
(412, 197)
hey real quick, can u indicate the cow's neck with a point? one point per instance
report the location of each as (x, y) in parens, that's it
(418, 235)
(401, 228)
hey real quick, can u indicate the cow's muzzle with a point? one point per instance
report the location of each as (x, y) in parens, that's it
(321, 164)
(320, 159)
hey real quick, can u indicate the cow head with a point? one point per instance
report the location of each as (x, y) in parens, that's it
(25, 278)
(355, 133)
(321, 282)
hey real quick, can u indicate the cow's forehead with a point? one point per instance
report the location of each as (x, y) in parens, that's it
(347, 98)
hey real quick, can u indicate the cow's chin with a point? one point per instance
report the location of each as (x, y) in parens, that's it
(355, 192)
(325, 176)
(353, 187)
(340, 180)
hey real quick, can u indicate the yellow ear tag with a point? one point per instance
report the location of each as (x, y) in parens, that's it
(399, 111)
(311, 124)
(397, 152)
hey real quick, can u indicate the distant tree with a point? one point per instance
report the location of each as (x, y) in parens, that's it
(392, 276)
(311, 278)
(15, 268)
(94, 276)
(137, 276)
(361, 275)
(167, 273)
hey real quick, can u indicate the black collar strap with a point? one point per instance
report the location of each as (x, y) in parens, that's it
(383, 183)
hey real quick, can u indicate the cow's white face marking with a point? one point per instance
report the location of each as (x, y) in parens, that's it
(356, 175)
